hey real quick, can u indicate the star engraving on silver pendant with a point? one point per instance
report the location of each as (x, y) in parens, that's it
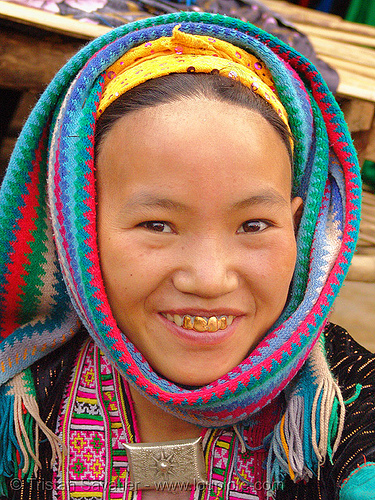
(164, 464)
(169, 463)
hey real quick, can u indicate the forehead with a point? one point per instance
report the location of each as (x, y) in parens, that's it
(200, 144)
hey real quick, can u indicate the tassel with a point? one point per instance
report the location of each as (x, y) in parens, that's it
(312, 425)
(240, 439)
(331, 399)
(9, 446)
(25, 394)
(20, 428)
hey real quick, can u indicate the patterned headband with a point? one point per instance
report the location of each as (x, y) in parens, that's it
(185, 53)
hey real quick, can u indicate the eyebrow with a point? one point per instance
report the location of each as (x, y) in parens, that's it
(269, 197)
(146, 200)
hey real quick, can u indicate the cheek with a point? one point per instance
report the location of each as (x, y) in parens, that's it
(130, 273)
(283, 268)
(275, 266)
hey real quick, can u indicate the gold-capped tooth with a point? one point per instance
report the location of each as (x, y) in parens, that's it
(223, 323)
(212, 324)
(187, 323)
(200, 324)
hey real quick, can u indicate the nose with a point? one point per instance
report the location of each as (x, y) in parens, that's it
(206, 269)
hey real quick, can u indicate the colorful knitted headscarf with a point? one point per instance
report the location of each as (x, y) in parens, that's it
(50, 275)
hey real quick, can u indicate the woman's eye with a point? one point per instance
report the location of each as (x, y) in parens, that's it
(157, 226)
(253, 226)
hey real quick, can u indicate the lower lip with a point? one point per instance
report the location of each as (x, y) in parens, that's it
(203, 338)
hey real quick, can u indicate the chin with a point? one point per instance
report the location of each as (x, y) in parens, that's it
(196, 380)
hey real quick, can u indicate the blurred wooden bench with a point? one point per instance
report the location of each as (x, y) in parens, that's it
(34, 44)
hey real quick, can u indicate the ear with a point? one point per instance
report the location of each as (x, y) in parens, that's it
(297, 210)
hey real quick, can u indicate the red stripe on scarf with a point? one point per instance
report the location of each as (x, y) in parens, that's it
(13, 290)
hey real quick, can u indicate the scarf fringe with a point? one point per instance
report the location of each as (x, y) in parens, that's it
(19, 431)
(311, 427)
(8, 440)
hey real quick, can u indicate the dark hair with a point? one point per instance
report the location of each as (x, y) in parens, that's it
(174, 87)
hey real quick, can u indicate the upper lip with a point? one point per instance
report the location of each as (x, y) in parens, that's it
(225, 311)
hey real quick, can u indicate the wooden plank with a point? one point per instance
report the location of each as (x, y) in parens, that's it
(29, 63)
(367, 238)
(358, 114)
(364, 143)
(368, 199)
(297, 14)
(7, 146)
(358, 28)
(369, 152)
(336, 34)
(25, 105)
(50, 22)
(360, 140)
(363, 246)
(358, 86)
(354, 68)
(370, 156)
(344, 51)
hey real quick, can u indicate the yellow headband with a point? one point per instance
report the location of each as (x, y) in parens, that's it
(184, 53)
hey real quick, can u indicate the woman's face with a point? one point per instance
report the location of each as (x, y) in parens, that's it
(196, 233)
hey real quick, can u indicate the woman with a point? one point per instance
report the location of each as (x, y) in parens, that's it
(197, 224)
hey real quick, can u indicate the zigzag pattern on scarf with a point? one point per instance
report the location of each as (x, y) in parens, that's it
(36, 296)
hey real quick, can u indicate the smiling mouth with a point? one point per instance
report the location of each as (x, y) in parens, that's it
(200, 323)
